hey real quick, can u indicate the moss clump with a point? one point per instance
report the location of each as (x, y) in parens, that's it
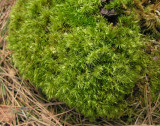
(74, 54)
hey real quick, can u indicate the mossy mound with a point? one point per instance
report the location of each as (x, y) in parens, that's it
(74, 54)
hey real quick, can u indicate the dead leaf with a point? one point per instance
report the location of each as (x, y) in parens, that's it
(108, 13)
(12, 72)
(6, 114)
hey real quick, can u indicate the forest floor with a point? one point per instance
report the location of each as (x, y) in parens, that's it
(21, 104)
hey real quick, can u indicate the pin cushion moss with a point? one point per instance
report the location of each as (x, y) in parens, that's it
(74, 54)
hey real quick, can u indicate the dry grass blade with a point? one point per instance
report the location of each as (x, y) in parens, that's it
(22, 104)
(5, 7)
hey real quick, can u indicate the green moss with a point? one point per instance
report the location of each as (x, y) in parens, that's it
(118, 5)
(75, 55)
